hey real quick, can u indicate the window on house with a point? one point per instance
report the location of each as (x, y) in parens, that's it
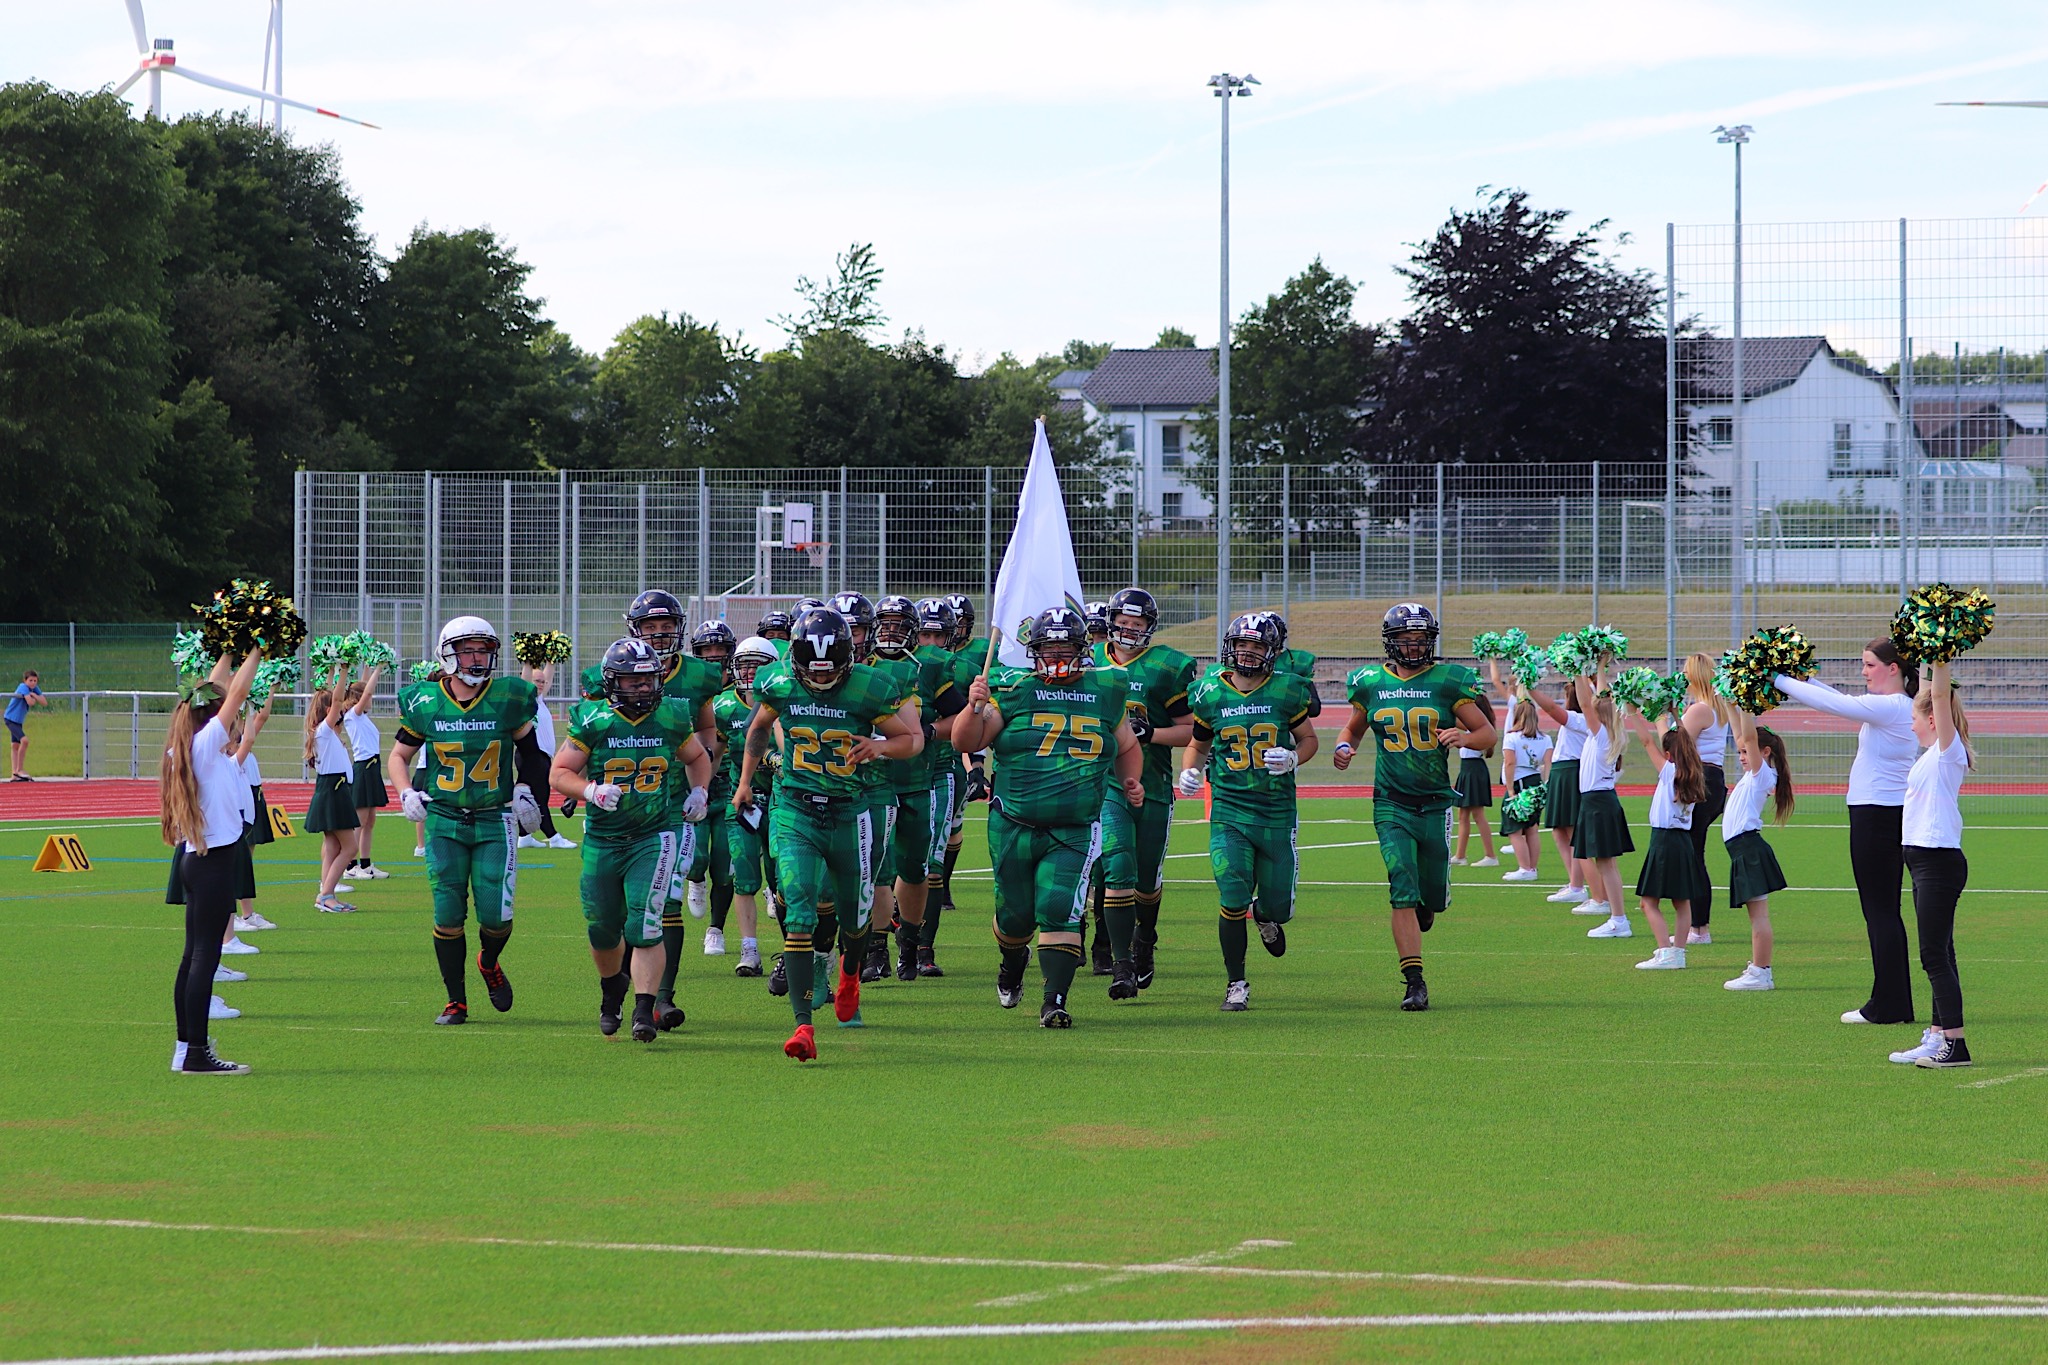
(1169, 444)
(1844, 432)
(1126, 440)
(1720, 431)
(1169, 506)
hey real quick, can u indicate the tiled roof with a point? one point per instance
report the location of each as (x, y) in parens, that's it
(1070, 379)
(1707, 365)
(1172, 378)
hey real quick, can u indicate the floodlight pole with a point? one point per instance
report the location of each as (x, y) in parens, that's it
(1736, 136)
(1225, 88)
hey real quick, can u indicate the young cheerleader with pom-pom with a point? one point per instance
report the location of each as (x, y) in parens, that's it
(1933, 845)
(1525, 764)
(1667, 873)
(1709, 719)
(1753, 872)
(1600, 832)
(1561, 800)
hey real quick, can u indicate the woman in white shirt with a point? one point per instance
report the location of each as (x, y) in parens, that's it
(331, 813)
(1668, 873)
(1753, 871)
(1932, 830)
(1709, 720)
(200, 793)
(1471, 794)
(366, 774)
(542, 676)
(1561, 786)
(1600, 833)
(1525, 763)
(1885, 750)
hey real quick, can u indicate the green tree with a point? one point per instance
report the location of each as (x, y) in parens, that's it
(1085, 355)
(207, 487)
(463, 377)
(677, 393)
(1005, 400)
(1174, 339)
(843, 303)
(85, 202)
(846, 402)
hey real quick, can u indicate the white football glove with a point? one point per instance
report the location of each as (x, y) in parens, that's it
(1279, 761)
(525, 809)
(1190, 781)
(414, 803)
(604, 795)
(696, 804)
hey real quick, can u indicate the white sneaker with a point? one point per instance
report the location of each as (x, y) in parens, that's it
(218, 1008)
(1664, 960)
(528, 841)
(225, 975)
(234, 947)
(1617, 926)
(751, 957)
(1930, 1043)
(419, 850)
(699, 900)
(256, 921)
(1568, 895)
(1854, 1016)
(1521, 874)
(244, 924)
(714, 942)
(343, 888)
(1591, 908)
(372, 872)
(1487, 862)
(1698, 938)
(560, 841)
(1457, 862)
(1753, 978)
(178, 1051)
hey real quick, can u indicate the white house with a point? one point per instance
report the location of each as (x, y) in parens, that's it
(1151, 399)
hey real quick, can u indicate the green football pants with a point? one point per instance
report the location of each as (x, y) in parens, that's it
(910, 838)
(813, 853)
(1417, 850)
(1134, 841)
(1255, 861)
(472, 860)
(714, 850)
(625, 887)
(1041, 874)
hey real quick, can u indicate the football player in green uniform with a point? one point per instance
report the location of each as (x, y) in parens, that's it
(930, 673)
(483, 765)
(713, 641)
(1058, 729)
(821, 827)
(1259, 726)
(1134, 835)
(1418, 709)
(1097, 614)
(618, 758)
(775, 624)
(878, 791)
(745, 829)
(937, 629)
(1299, 662)
(655, 618)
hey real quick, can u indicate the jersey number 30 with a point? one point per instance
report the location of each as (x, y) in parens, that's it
(1414, 728)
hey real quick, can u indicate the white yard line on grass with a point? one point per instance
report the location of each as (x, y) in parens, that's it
(1204, 1258)
(985, 1331)
(1190, 1266)
(1987, 1083)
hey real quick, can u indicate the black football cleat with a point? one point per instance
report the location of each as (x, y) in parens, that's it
(928, 965)
(1141, 964)
(1417, 997)
(1125, 984)
(778, 978)
(496, 982)
(1273, 936)
(1010, 980)
(455, 1012)
(667, 1015)
(643, 1023)
(877, 964)
(1051, 1015)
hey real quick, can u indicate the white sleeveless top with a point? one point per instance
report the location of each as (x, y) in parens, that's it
(1713, 743)
(330, 753)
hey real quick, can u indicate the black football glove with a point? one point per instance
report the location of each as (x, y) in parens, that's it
(568, 807)
(977, 783)
(1141, 726)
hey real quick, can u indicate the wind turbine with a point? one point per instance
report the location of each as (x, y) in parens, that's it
(2005, 104)
(158, 56)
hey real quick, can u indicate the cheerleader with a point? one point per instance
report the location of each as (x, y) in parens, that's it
(1561, 800)
(542, 676)
(1708, 718)
(1472, 794)
(1600, 829)
(1885, 750)
(1525, 763)
(366, 751)
(1753, 872)
(1667, 873)
(1932, 829)
(332, 811)
(255, 813)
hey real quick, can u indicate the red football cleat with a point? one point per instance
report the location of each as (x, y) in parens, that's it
(846, 1000)
(802, 1045)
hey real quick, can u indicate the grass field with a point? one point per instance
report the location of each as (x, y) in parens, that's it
(1625, 1164)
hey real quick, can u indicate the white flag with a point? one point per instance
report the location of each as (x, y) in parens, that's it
(1038, 567)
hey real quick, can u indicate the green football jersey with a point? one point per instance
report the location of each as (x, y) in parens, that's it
(638, 756)
(1056, 751)
(690, 683)
(733, 714)
(1240, 725)
(1410, 768)
(1299, 662)
(903, 676)
(1159, 682)
(929, 671)
(469, 744)
(592, 682)
(819, 729)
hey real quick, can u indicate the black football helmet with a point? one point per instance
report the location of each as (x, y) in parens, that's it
(1133, 602)
(1281, 622)
(1059, 644)
(774, 625)
(656, 618)
(963, 615)
(935, 618)
(715, 641)
(821, 649)
(1251, 644)
(1097, 614)
(895, 626)
(804, 604)
(1403, 621)
(632, 677)
(860, 619)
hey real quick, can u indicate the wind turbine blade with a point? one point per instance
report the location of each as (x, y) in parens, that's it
(217, 83)
(124, 86)
(2032, 197)
(141, 29)
(1995, 104)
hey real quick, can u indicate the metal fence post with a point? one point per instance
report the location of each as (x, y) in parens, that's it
(1439, 540)
(988, 539)
(562, 548)
(362, 552)
(703, 544)
(1137, 510)
(1286, 542)
(85, 737)
(845, 534)
(71, 630)
(433, 492)
(1560, 544)
(1670, 450)
(134, 733)
(1596, 541)
(640, 538)
(1908, 439)
(881, 544)
(506, 623)
(575, 573)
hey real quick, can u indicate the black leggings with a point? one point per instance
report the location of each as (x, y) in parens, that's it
(1705, 813)
(210, 882)
(1939, 876)
(1878, 861)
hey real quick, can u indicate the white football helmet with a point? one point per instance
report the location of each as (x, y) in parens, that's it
(467, 628)
(754, 654)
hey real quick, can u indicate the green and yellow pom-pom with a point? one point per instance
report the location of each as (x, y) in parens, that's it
(426, 670)
(273, 676)
(1744, 675)
(247, 615)
(1528, 664)
(190, 654)
(1938, 622)
(1523, 805)
(1641, 689)
(325, 655)
(535, 648)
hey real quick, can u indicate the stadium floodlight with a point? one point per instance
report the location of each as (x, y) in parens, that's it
(1736, 135)
(159, 56)
(1225, 87)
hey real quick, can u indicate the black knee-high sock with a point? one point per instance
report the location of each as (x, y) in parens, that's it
(1059, 962)
(451, 950)
(721, 904)
(672, 945)
(1233, 934)
(853, 953)
(1119, 914)
(612, 989)
(928, 932)
(1411, 967)
(1147, 906)
(946, 878)
(493, 944)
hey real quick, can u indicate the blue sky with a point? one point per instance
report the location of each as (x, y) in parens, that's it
(1034, 173)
